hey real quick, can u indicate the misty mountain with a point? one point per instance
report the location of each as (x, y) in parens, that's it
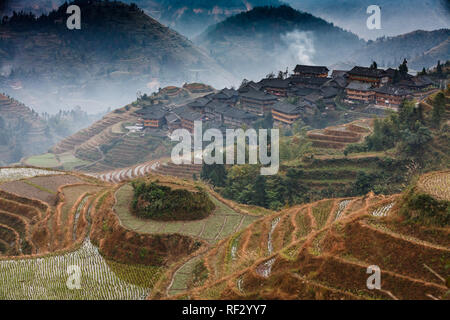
(118, 51)
(188, 17)
(191, 17)
(397, 17)
(420, 48)
(37, 7)
(22, 131)
(266, 39)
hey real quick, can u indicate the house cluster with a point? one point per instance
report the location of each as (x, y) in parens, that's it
(308, 90)
(381, 88)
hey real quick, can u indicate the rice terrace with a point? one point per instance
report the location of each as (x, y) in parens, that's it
(189, 152)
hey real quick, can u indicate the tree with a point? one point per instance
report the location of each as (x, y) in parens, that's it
(259, 191)
(438, 109)
(374, 65)
(423, 72)
(403, 69)
(215, 173)
(363, 183)
(415, 142)
(439, 68)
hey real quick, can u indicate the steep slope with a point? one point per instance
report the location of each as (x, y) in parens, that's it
(118, 51)
(322, 251)
(266, 39)
(22, 131)
(192, 17)
(420, 48)
(437, 53)
(397, 17)
(47, 221)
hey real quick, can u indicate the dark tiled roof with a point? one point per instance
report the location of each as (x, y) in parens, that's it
(214, 105)
(153, 112)
(275, 83)
(187, 113)
(225, 94)
(313, 97)
(258, 95)
(199, 103)
(310, 69)
(235, 113)
(302, 91)
(340, 82)
(172, 117)
(286, 108)
(329, 92)
(367, 72)
(251, 85)
(393, 90)
(422, 81)
(361, 86)
(390, 72)
(338, 74)
(308, 81)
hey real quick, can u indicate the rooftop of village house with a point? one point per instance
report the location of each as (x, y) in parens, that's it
(310, 69)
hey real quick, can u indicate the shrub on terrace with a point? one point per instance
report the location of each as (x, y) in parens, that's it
(160, 202)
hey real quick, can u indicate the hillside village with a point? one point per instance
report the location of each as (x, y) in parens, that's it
(308, 91)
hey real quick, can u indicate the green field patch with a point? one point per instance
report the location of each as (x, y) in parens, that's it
(193, 228)
(213, 227)
(303, 224)
(138, 275)
(180, 281)
(222, 208)
(231, 225)
(47, 160)
(172, 227)
(248, 220)
(69, 161)
(321, 212)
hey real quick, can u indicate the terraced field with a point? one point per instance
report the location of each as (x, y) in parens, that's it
(320, 251)
(9, 174)
(314, 251)
(222, 223)
(95, 133)
(335, 177)
(119, 175)
(161, 166)
(340, 136)
(46, 278)
(40, 240)
(65, 161)
(183, 171)
(436, 184)
(39, 210)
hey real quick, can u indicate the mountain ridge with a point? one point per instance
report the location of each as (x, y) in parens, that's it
(118, 50)
(273, 38)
